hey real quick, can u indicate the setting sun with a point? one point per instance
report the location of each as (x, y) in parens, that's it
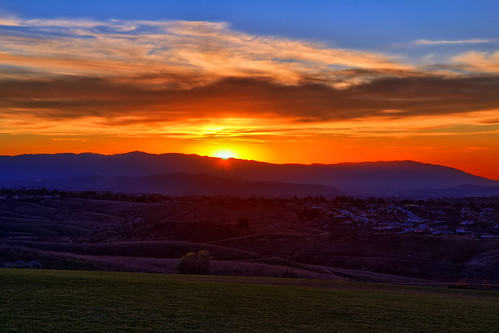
(225, 153)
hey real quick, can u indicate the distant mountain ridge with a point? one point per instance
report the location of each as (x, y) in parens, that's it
(377, 178)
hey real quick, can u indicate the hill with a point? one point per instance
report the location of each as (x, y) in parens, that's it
(457, 191)
(178, 184)
(311, 236)
(370, 178)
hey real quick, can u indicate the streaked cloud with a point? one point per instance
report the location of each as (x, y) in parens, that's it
(79, 97)
(126, 49)
(445, 42)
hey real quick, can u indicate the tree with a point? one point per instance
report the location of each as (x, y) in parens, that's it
(194, 263)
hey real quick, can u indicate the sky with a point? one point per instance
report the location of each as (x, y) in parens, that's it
(276, 81)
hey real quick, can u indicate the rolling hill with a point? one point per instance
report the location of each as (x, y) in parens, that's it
(179, 184)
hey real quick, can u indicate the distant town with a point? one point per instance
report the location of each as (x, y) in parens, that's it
(470, 217)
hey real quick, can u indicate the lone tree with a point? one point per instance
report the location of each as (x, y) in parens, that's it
(194, 263)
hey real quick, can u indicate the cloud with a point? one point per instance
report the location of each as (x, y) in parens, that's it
(61, 76)
(391, 98)
(138, 48)
(444, 42)
(482, 62)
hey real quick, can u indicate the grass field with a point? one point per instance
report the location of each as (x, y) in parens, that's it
(78, 301)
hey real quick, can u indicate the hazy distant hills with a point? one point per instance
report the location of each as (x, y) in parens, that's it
(377, 178)
(179, 184)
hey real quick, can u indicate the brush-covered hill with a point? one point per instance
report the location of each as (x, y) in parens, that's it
(179, 184)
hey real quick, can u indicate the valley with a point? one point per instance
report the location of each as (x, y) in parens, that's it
(377, 240)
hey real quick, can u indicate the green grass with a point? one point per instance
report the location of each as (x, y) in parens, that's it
(56, 301)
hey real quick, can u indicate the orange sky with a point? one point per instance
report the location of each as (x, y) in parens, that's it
(198, 87)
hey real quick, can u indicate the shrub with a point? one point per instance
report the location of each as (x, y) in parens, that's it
(194, 263)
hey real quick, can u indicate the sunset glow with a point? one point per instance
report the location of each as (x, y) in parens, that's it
(225, 153)
(337, 88)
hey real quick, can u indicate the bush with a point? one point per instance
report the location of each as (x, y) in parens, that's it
(194, 263)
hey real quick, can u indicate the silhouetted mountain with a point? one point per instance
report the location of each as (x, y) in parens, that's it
(377, 178)
(179, 184)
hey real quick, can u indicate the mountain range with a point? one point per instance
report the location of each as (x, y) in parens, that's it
(181, 174)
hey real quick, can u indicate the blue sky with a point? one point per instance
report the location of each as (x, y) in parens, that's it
(351, 24)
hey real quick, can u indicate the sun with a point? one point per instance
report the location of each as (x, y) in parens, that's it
(225, 153)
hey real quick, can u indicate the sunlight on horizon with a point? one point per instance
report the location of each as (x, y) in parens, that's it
(225, 153)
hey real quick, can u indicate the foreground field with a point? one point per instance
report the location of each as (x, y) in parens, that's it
(55, 301)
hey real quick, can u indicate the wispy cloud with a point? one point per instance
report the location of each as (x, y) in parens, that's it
(482, 62)
(444, 42)
(137, 48)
